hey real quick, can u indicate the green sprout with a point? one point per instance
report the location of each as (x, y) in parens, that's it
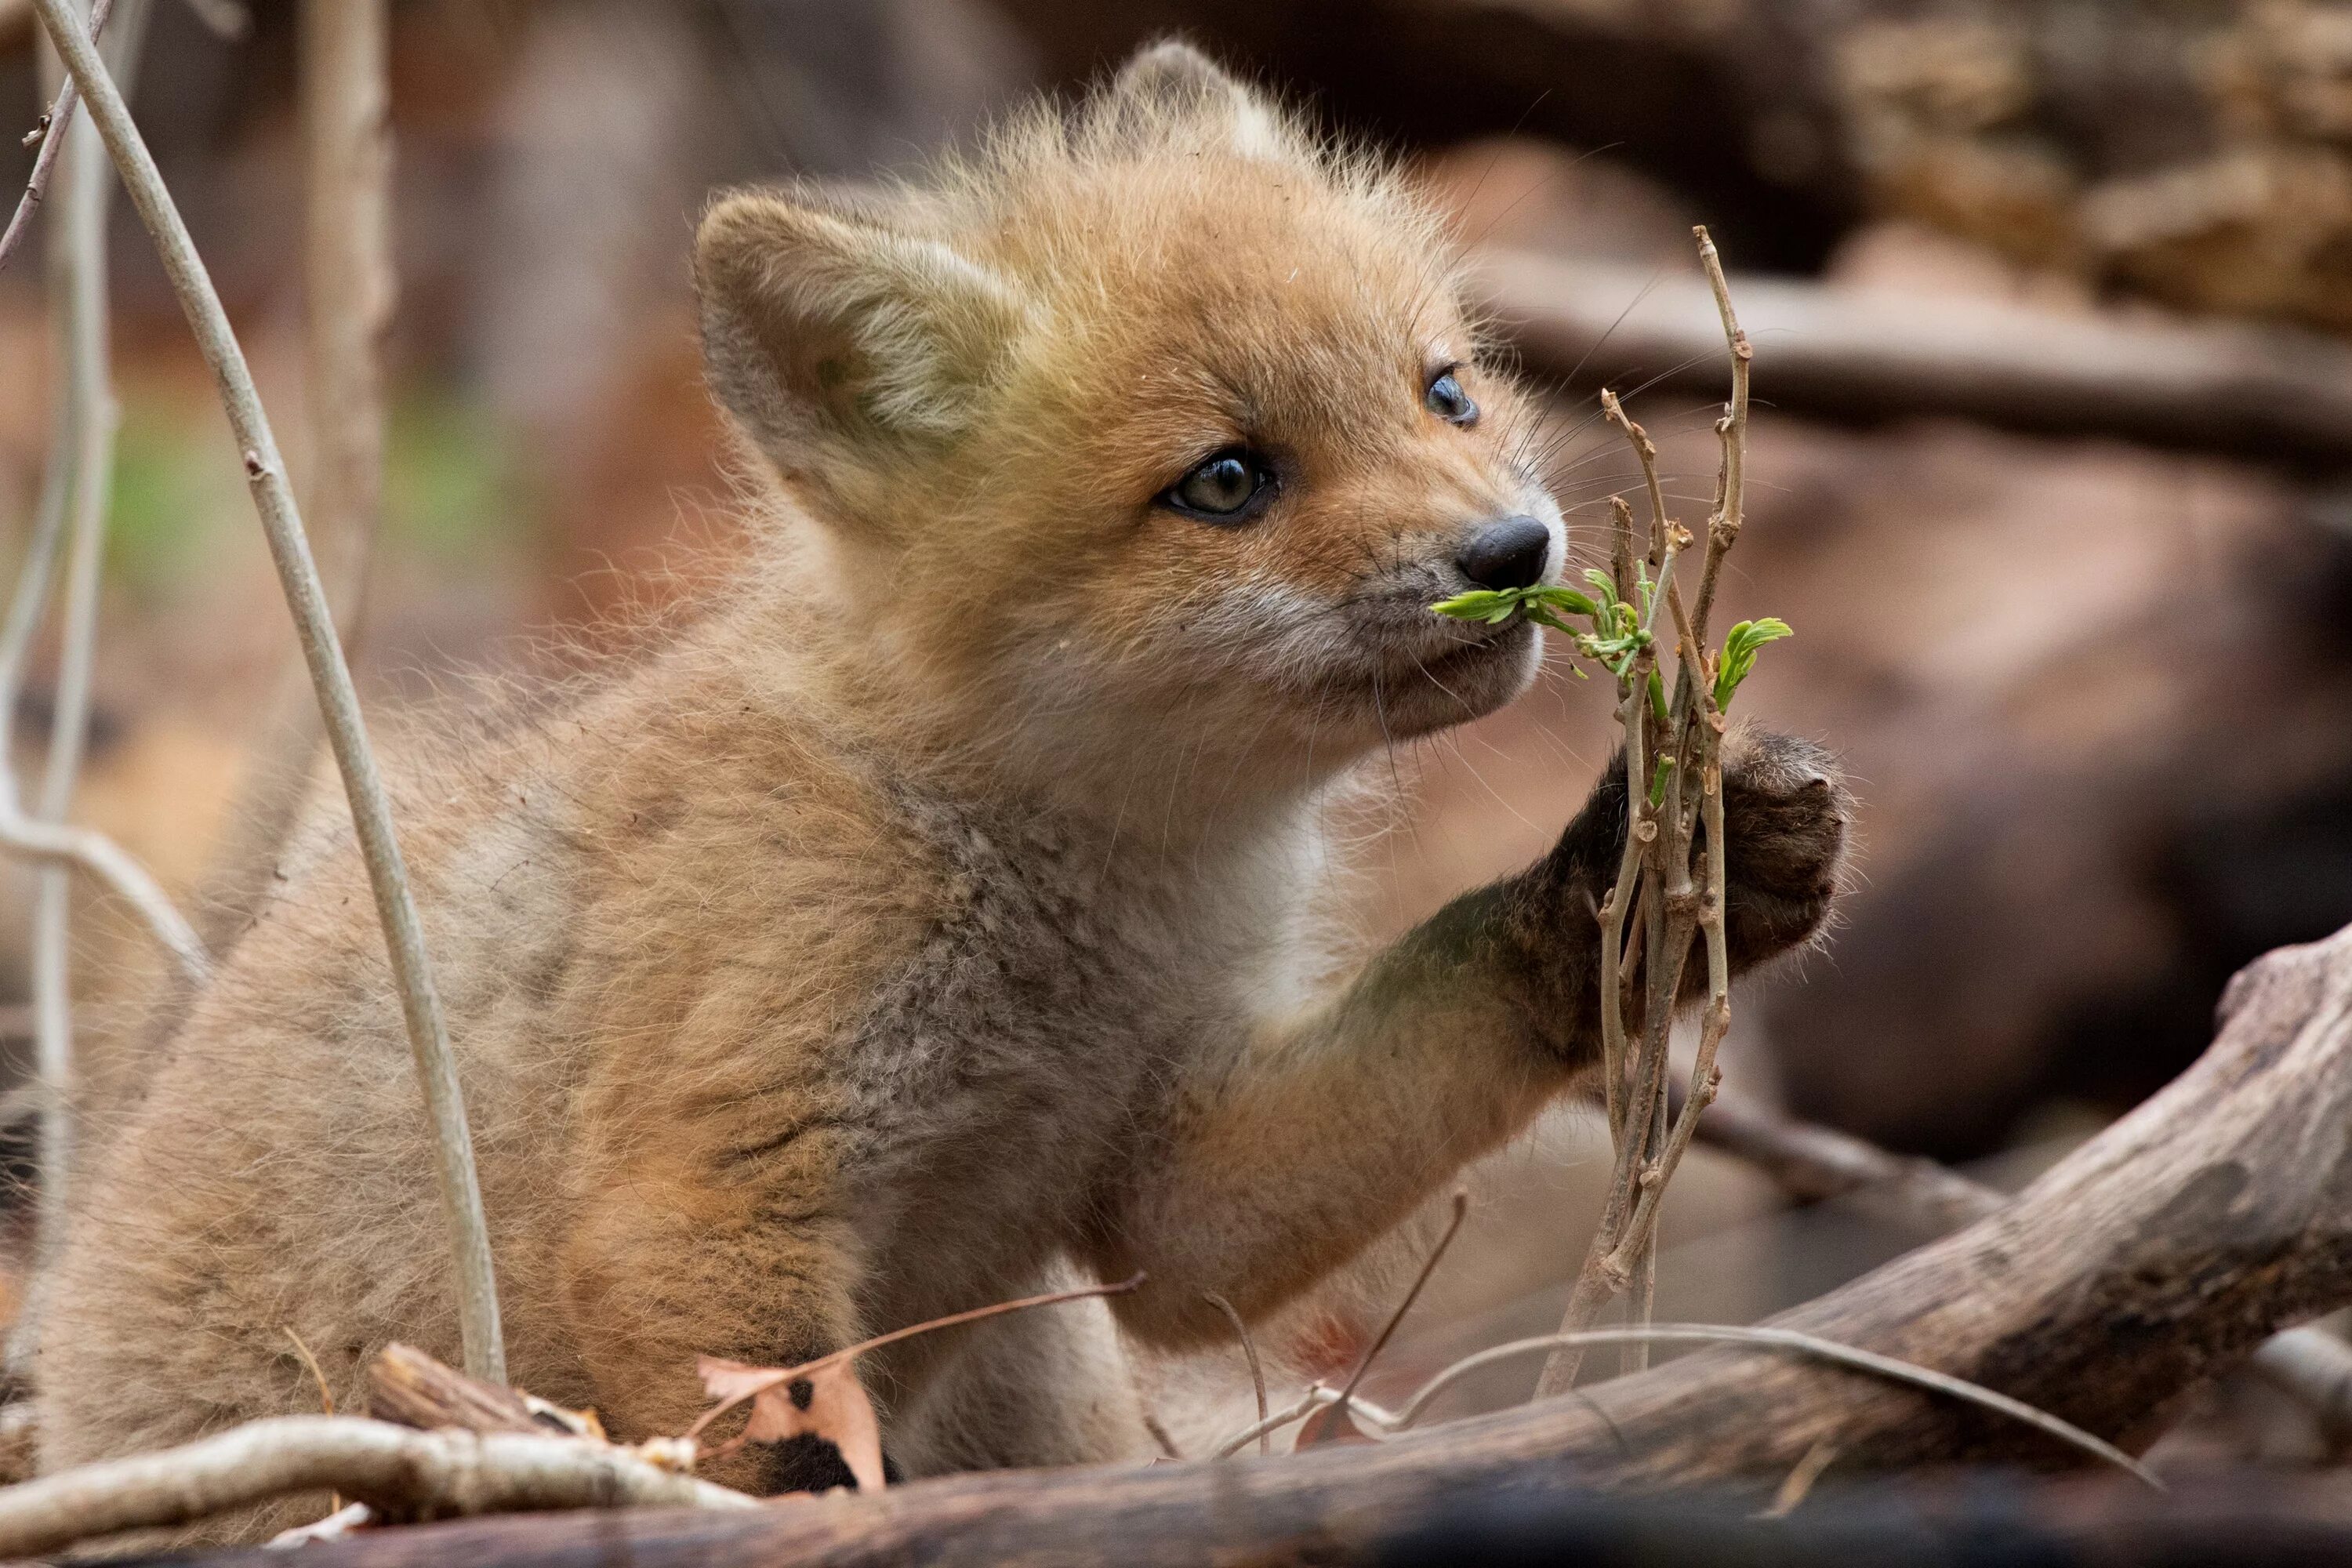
(1618, 632)
(1740, 646)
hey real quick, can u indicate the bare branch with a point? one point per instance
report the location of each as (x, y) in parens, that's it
(1347, 1393)
(1665, 803)
(75, 450)
(1256, 1368)
(393, 1470)
(428, 1037)
(1811, 1162)
(62, 844)
(50, 133)
(348, 288)
(77, 285)
(1723, 528)
(1804, 1344)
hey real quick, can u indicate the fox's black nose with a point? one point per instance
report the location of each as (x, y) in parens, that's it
(1506, 553)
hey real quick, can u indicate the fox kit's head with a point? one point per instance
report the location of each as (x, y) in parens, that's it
(1144, 438)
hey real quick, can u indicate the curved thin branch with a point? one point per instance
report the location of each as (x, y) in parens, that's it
(1315, 1397)
(77, 287)
(348, 291)
(1805, 1344)
(63, 844)
(306, 598)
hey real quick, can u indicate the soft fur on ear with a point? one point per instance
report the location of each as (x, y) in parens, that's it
(1171, 87)
(819, 326)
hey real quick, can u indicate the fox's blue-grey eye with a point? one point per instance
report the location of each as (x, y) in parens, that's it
(1224, 487)
(1447, 399)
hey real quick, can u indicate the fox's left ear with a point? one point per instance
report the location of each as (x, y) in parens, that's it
(1171, 87)
(830, 336)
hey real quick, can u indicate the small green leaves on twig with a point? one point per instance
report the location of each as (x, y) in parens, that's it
(1618, 631)
(1495, 605)
(1739, 646)
(1618, 634)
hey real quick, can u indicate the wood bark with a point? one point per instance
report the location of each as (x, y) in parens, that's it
(2160, 1252)
(1812, 1164)
(2261, 1518)
(2195, 153)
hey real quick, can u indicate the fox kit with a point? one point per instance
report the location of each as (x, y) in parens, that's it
(927, 918)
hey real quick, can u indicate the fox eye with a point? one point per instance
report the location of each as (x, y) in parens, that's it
(1447, 399)
(1223, 488)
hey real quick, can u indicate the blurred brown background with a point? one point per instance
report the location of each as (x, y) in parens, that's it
(2096, 695)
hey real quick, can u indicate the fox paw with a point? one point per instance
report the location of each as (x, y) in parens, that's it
(1785, 809)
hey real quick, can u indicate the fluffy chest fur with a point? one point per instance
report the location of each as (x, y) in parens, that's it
(942, 1023)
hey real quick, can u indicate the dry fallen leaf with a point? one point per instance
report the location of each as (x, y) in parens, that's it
(822, 1399)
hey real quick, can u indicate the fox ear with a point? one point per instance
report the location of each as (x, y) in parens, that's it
(819, 326)
(1171, 87)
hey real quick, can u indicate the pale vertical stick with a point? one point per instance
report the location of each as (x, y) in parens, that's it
(348, 288)
(306, 598)
(78, 286)
(52, 843)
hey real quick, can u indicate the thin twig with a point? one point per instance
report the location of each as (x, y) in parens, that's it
(78, 282)
(478, 1307)
(784, 1375)
(1688, 789)
(61, 844)
(51, 135)
(1249, 1351)
(393, 1470)
(1804, 1344)
(1317, 1397)
(1630, 701)
(1419, 1280)
(24, 836)
(1723, 528)
(348, 288)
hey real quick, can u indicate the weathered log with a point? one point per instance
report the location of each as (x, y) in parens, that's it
(2161, 1251)
(2258, 1517)
(1812, 1164)
(2270, 392)
(2195, 153)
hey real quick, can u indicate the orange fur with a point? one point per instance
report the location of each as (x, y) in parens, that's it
(930, 917)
